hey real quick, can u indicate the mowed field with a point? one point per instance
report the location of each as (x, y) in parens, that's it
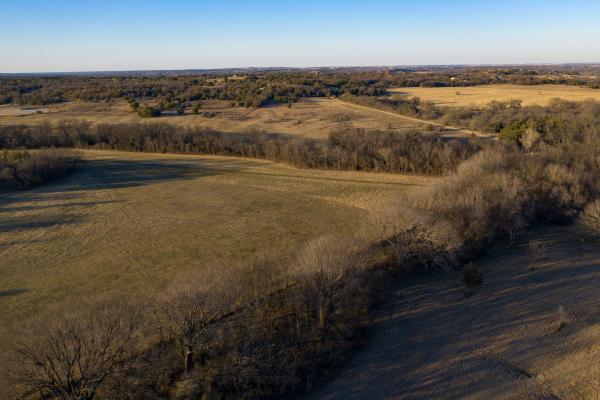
(131, 222)
(314, 117)
(479, 96)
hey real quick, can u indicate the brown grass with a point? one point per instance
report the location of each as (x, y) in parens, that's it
(430, 341)
(310, 117)
(479, 96)
(129, 222)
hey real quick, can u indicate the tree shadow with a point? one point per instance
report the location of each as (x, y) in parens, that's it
(12, 292)
(50, 206)
(103, 174)
(29, 223)
(118, 174)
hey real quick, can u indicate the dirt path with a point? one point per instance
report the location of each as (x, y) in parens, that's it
(510, 340)
(456, 131)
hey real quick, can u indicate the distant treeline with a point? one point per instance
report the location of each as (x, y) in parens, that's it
(461, 77)
(23, 169)
(258, 88)
(353, 149)
(250, 91)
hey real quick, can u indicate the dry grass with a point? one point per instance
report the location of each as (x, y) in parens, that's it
(479, 96)
(130, 222)
(309, 117)
(429, 341)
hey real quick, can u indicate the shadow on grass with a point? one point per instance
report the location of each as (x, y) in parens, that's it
(117, 174)
(22, 224)
(11, 292)
(47, 206)
(98, 175)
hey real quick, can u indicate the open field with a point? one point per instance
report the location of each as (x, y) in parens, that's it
(479, 96)
(130, 222)
(314, 117)
(509, 340)
(448, 131)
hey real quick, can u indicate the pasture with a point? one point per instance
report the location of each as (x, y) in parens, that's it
(479, 96)
(313, 118)
(131, 222)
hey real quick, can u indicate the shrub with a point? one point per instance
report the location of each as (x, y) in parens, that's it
(413, 241)
(591, 216)
(134, 105)
(149, 112)
(480, 201)
(24, 169)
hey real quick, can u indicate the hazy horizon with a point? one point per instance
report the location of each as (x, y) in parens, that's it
(39, 36)
(249, 67)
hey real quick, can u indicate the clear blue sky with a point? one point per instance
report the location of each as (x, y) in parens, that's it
(79, 35)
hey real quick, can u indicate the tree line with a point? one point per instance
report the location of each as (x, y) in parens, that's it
(351, 149)
(559, 122)
(255, 332)
(253, 90)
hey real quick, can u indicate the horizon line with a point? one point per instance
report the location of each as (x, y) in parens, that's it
(162, 70)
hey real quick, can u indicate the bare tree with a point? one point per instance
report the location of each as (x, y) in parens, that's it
(413, 240)
(265, 286)
(71, 357)
(190, 310)
(320, 268)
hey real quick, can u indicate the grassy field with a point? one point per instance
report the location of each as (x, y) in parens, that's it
(130, 222)
(309, 117)
(479, 96)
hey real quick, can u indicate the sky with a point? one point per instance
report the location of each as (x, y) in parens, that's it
(94, 35)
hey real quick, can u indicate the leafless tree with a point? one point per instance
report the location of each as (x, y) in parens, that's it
(320, 268)
(265, 286)
(413, 240)
(190, 310)
(71, 357)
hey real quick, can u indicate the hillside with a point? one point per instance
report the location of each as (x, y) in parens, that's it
(531, 331)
